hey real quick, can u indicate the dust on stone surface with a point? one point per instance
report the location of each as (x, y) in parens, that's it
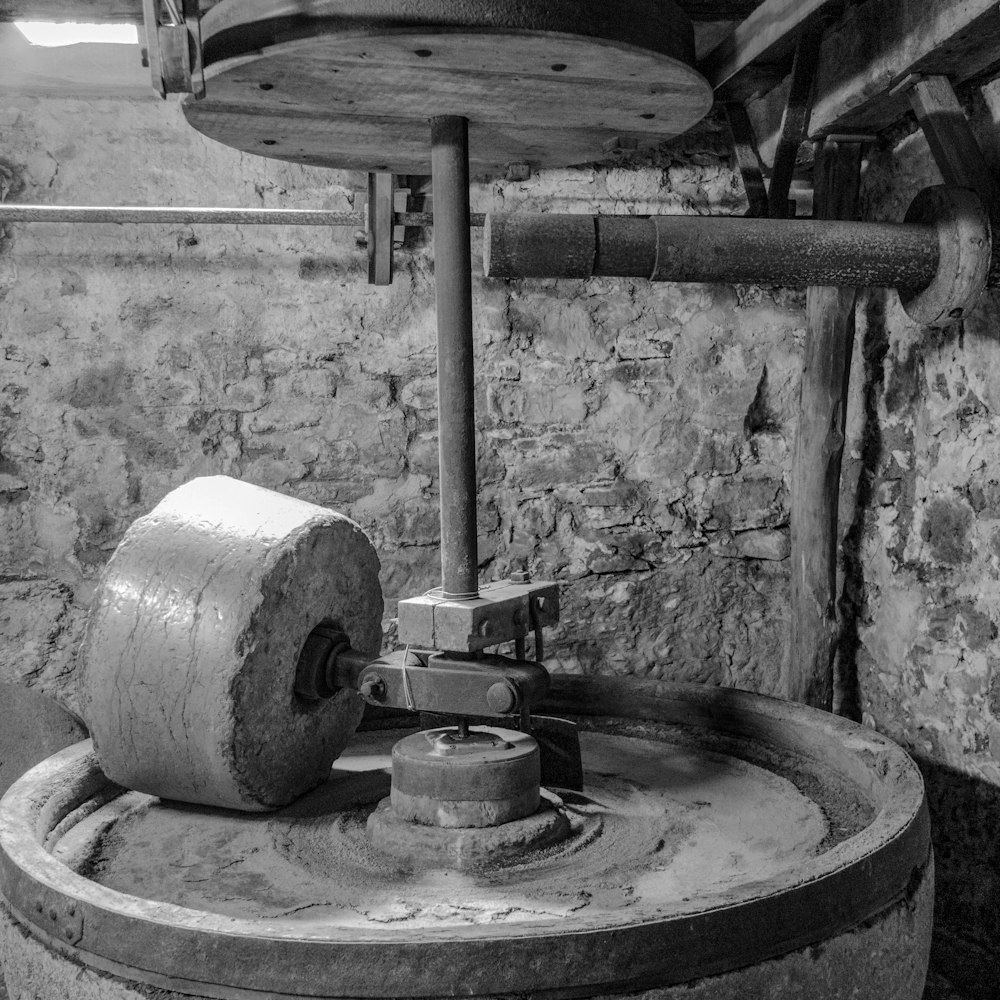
(659, 825)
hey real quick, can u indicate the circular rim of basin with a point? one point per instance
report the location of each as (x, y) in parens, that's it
(173, 947)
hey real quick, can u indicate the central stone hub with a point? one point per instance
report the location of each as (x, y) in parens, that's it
(466, 799)
(484, 777)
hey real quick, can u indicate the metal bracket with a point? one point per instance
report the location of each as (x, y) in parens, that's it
(505, 611)
(453, 685)
(58, 915)
(173, 46)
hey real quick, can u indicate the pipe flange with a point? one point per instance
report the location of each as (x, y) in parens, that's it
(966, 247)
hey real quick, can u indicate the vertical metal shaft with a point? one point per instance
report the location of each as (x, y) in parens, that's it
(456, 402)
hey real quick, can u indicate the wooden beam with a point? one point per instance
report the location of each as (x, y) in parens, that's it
(794, 120)
(748, 159)
(955, 148)
(819, 447)
(86, 11)
(717, 10)
(769, 32)
(874, 47)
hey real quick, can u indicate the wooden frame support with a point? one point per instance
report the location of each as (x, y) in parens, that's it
(767, 32)
(747, 159)
(819, 446)
(380, 220)
(954, 147)
(794, 121)
(873, 47)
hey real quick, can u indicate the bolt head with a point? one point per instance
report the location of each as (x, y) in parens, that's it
(520, 576)
(501, 697)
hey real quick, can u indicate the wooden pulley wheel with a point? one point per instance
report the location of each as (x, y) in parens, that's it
(722, 845)
(353, 83)
(189, 661)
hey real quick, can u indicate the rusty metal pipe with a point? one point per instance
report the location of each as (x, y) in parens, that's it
(456, 383)
(705, 249)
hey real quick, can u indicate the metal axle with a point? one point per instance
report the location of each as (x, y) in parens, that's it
(456, 381)
(194, 215)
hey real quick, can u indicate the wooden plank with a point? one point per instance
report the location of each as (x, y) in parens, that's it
(748, 159)
(819, 447)
(770, 31)
(86, 11)
(955, 148)
(717, 10)
(874, 47)
(953, 144)
(794, 120)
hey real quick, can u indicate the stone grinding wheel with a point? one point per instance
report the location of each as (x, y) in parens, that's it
(725, 846)
(190, 652)
(353, 83)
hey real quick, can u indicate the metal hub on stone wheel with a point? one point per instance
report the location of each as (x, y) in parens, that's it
(353, 83)
(720, 837)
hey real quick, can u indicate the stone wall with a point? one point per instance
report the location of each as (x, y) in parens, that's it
(922, 561)
(634, 439)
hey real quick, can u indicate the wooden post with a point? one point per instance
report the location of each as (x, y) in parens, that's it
(819, 445)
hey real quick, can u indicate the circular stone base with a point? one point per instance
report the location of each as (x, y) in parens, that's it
(467, 848)
(720, 838)
(489, 777)
(884, 958)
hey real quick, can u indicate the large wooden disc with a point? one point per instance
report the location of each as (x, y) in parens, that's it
(353, 83)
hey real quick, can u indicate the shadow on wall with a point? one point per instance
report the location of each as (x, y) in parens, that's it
(965, 818)
(881, 489)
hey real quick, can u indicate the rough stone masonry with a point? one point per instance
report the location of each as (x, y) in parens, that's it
(634, 439)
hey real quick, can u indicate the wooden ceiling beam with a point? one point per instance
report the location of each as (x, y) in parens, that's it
(768, 34)
(85, 11)
(873, 49)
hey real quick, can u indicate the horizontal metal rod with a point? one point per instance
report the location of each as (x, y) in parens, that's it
(711, 249)
(124, 214)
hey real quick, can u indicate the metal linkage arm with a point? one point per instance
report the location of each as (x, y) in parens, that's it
(421, 681)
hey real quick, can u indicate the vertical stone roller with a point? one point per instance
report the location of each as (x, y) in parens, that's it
(190, 654)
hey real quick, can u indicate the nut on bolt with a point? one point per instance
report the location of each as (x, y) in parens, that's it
(372, 688)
